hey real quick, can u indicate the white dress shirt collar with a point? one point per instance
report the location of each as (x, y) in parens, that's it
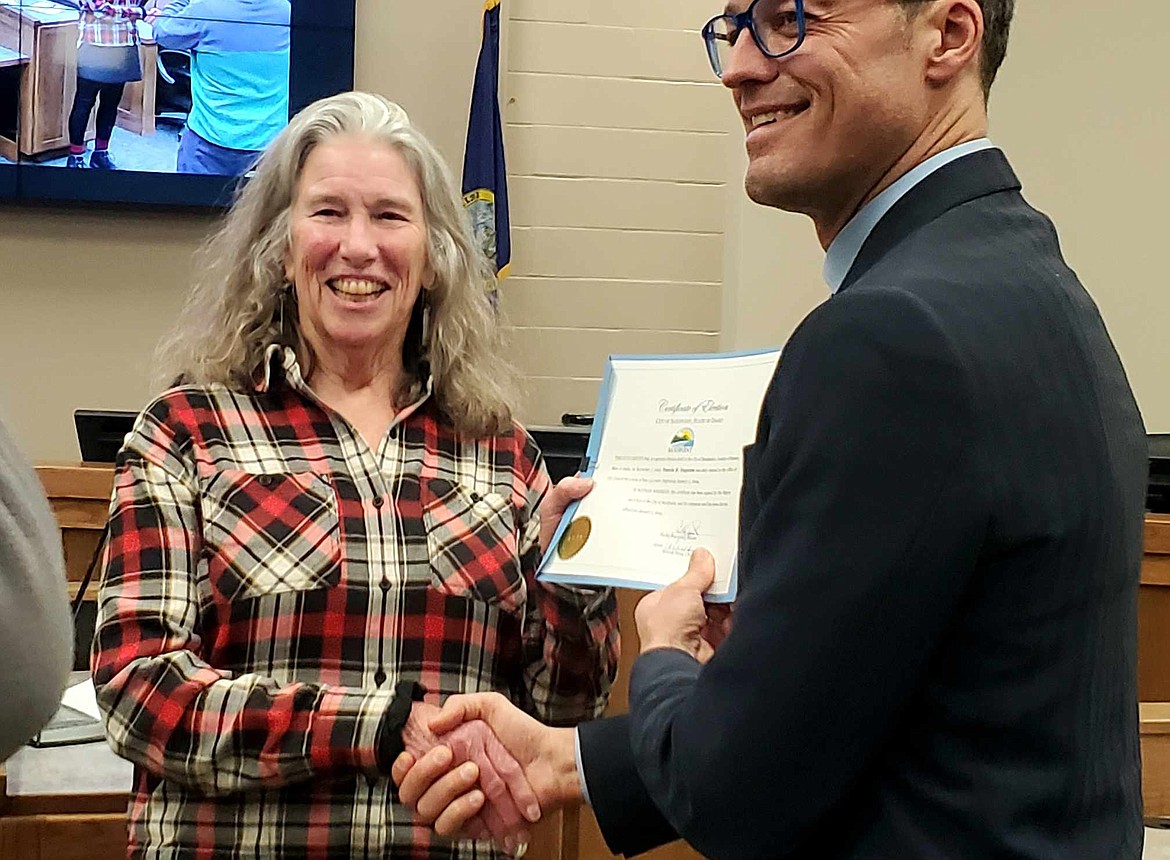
(844, 248)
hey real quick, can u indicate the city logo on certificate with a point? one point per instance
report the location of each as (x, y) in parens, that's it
(683, 441)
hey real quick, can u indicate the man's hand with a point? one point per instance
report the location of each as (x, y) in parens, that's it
(552, 507)
(676, 616)
(506, 798)
(447, 797)
(718, 624)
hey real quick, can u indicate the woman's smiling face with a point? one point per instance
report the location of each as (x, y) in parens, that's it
(357, 254)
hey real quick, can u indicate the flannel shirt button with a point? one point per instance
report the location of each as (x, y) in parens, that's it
(379, 678)
(384, 585)
(475, 497)
(379, 501)
(266, 480)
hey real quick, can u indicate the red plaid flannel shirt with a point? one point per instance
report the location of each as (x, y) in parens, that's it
(109, 23)
(269, 579)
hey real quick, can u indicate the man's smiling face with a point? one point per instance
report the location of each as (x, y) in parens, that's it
(825, 123)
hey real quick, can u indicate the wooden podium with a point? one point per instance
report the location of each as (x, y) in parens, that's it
(1154, 666)
(79, 497)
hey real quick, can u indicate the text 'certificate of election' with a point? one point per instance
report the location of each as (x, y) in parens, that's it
(666, 456)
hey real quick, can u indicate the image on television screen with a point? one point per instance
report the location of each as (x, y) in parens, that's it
(157, 101)
(171, 86)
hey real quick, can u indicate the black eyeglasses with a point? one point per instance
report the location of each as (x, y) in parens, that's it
(776, 26)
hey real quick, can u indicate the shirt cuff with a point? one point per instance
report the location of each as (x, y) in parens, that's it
(344, 729)
(389, 743)
(581, 768)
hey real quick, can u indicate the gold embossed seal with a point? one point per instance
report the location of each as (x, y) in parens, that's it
(574, 538)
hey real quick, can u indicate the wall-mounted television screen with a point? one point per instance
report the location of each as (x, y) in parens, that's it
(163, 102)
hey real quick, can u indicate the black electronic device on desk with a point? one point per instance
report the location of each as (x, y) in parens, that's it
(563, 448)
(100, 436)
(1158, 488)
(101, 433)
(69, 726)
(77, 721)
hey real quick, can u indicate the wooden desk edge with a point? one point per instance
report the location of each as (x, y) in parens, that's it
(66, 804)
(1157, 534)
(1155, 718)
(77, 480)
(60, 804)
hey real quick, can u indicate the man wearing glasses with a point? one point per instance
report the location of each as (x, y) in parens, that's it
(934, 649)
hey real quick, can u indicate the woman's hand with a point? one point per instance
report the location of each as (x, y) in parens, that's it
(552, 508)
(506, 802)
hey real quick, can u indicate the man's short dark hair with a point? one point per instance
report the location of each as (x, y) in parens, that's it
(997, 22)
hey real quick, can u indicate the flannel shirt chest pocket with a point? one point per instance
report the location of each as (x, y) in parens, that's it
(471, 540)
(265, 534)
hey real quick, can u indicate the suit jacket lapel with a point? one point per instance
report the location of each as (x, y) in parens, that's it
(968, 178)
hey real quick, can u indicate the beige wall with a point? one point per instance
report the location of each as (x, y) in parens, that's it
(1080, 109)
(616, 147)
(1085, 115)
(84, 297)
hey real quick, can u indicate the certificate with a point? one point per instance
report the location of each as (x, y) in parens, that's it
(666, 457)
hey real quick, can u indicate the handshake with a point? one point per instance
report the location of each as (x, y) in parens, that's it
(480, 768)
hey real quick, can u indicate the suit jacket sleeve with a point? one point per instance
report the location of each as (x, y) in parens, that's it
(627, 816)
(866, 506)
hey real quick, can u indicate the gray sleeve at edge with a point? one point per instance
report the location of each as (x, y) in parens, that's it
(36, 639)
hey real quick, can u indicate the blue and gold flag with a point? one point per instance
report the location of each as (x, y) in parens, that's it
(485, 184)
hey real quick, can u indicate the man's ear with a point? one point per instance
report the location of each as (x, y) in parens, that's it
(956, 36)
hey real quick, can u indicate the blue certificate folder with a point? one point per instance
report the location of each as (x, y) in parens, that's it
(605, 399)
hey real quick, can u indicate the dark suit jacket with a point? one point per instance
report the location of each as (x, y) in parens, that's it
(934, 648)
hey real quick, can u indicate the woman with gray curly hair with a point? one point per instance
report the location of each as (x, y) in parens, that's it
(331, 520)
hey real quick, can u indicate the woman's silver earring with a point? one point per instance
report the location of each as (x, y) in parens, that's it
(426, 323)
(285, 297)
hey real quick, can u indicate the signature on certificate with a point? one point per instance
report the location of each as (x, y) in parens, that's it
(681, 539)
